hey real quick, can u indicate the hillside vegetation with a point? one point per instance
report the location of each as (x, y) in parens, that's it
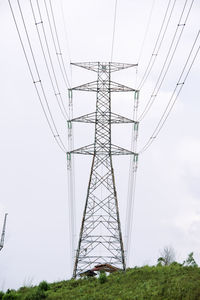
(158, 282)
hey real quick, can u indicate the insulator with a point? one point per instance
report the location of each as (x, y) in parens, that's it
(68, 164)
(68, 156)
(70, 93)
(135, 157)
(69, 124)
(136, 95)
(136, 125)
(135, 162)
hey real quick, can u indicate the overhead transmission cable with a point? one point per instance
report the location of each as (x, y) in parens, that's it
(132, 178)
(65, 30)
(66, 35)
(168, 60)
(37, 81)
(133, 165)
(55, 86)
(70, 158)
(131, 197)
(146, 31)
(57, 47)
(181, 81)
(158, 43)
(114, 28)
(71, 179)
(58, 42)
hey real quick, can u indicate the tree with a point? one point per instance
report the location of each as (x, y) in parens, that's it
(167, 256)
(190, 261)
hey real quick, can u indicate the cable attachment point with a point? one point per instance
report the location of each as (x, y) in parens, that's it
(135, 162)
(69, 124)
(70, 96)
(136, 95)
(136, 127)
(136, 99)
(68, 160)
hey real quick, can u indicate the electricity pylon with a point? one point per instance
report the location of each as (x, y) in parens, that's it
(100, 239)
(3, 233)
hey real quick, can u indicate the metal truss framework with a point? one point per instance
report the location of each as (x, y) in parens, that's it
(3, 233)
(100, 239)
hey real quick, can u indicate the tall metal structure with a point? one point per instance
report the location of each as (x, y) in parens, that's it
(3, 233)
(100, 239)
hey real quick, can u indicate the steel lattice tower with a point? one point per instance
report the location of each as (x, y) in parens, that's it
(100, 239)
(3, 233)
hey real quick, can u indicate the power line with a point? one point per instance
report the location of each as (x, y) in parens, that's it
(37, 70)
(155, 49)
(37, 81)
(55, 87)
(57, 49)
(132, 178)
(71, 178)
(180, 27)
(58, 42)
(65, 33)
(113, 36)
(174, 96)
(131, 210)
(146, 31)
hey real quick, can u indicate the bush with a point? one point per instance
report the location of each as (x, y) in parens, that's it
(102, 277)
(1, 295)
(44, 286)
(10, 295)
(36, 294)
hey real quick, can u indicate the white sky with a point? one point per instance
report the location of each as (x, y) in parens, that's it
(33, 171)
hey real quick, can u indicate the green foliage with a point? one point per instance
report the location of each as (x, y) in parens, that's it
(44, 286)
(190, 261)
(35, 294)
(102, 277)
(160, 261)
(1, 295)
(173, 282)
(10, 295)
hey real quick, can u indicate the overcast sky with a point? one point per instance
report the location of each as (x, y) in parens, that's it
(33, 171)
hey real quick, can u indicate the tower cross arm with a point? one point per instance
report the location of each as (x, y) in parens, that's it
(105, 66)
(90, 150)
(104, 86)
(113, 118)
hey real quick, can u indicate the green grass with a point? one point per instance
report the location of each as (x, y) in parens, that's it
(172, 282)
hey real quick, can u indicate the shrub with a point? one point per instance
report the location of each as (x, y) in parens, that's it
(102, 277)
(44, 286)
(10, 295)
(36, 294)
(1, 295)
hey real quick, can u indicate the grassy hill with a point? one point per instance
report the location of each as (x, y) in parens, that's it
(157, 282)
